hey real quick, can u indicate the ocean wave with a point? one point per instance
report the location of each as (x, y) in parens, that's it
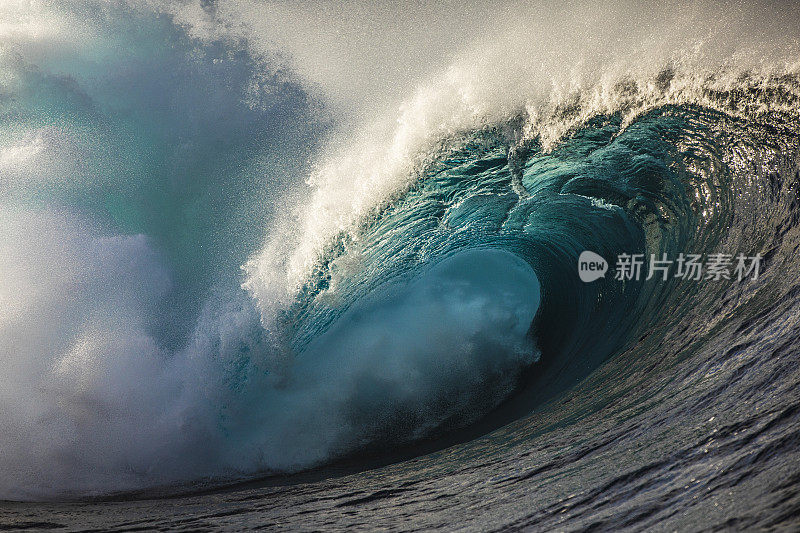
(179, 308)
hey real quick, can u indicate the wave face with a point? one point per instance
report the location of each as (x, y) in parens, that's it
(179, 308)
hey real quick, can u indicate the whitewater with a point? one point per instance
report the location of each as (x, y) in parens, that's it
(315, 265)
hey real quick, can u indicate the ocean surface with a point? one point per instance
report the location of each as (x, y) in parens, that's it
(316, 266)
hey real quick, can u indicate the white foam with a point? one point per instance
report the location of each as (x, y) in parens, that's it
(556, 64)
(92, 403)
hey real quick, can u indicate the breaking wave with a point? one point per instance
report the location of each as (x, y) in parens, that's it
(213, 272)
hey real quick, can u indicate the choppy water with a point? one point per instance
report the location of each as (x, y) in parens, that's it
(407, 343)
